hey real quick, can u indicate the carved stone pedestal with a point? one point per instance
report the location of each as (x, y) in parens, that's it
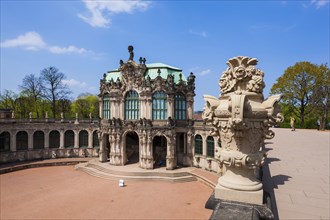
(224, 210)
(241, 118)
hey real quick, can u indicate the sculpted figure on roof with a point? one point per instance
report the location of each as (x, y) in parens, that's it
(131, 53)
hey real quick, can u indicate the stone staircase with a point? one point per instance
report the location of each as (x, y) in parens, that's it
(107, 171)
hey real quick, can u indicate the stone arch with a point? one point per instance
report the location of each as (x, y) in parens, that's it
(68, 138)
(83, 138)
(22, 140)
(38, 139)
(160, 149)
(54, 139)
(5, 141)
(131, 147)
(96, 140)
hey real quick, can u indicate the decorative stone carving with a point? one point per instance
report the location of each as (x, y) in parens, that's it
(241, 118)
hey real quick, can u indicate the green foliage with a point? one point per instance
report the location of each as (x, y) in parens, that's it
(85, 105)
(305, 87)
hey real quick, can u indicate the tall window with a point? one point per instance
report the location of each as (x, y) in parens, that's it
(198, 144)
(180, 107)
(106, 107)
(159, 106)
(210, 146)
(132, 106)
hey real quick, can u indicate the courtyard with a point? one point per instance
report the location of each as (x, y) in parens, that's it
(296, 175)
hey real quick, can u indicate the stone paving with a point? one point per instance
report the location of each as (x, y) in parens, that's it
(297, 174)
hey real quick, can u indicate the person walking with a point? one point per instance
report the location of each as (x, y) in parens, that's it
(318, 124)
(292, 121)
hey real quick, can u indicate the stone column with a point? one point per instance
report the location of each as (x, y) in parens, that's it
(204, 137)
(170, 108)
(13, 141)
(46, 141)
(101, 107)
(90, 138)
(76, 139)
(149, 109)
(61, 139)
(30, 140)
(103, 151)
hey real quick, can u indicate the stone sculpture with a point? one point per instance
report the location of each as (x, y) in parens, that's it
(242, 118)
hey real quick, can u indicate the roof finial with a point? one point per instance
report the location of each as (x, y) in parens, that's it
(131, 53)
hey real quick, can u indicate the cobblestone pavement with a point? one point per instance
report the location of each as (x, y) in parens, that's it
(297, 174)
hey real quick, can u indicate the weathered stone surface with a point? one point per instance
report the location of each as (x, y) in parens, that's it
(241, 118)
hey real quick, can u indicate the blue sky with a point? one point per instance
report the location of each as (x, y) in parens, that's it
(85, 39)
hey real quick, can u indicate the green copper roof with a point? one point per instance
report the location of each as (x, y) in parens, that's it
(152, 70)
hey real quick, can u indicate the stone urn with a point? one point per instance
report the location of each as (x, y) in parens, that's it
(242, 118)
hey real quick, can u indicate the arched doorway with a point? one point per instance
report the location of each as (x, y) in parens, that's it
(5, 141)
(159, 151)
(132, 148)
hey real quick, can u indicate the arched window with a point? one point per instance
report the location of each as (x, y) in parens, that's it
(106, 107)
(132, 106)
(69, 138)
(38, 140)
(210, 146)
(180, 107)
(83, 138)
(198, 144)
(54, 139)
(159, 106)
(22, 140)
(95, 139)
(5, 141)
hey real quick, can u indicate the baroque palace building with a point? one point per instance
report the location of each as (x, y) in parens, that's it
(146, 117)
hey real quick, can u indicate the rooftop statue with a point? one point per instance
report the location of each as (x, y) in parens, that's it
(131, 53)
(242, 118)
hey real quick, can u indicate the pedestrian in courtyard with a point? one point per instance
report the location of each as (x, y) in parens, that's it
(292, 121)
(318, 124)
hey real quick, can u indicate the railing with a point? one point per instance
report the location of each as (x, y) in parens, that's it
(47, 120)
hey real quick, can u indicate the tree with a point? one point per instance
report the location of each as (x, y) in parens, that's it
(85, 105)
(321, 95)
(8, 100)
(297, 84)
(32, 88)
(53, 87)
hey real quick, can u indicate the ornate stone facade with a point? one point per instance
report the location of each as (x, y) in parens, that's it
(162, 102)
(241, 118)
(146, 116)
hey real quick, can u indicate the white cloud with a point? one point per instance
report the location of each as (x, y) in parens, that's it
(201, 34)
(320, 3)
(67, 50)
(205, 72)
(100, 11)
(33, 41)
(30, 41)
(75, 83)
